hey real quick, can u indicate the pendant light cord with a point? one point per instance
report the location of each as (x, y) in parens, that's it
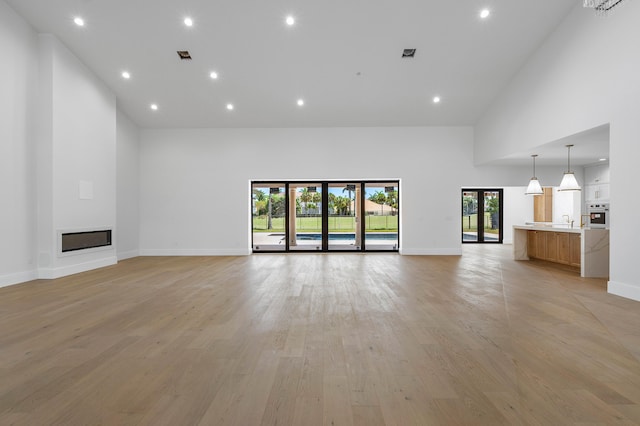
(569, 158)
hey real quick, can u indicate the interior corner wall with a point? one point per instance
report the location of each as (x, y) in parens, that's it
(194, 184)
(18, 107)
(78, 141)
(128, 184)
(584, 75)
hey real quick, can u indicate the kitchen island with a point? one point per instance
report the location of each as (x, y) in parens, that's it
(584, 248)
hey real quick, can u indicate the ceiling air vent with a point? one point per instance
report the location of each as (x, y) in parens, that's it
(408, 53)
(184, 55)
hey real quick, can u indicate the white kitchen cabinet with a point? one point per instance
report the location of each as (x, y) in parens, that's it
(596, 192)
(596, 186)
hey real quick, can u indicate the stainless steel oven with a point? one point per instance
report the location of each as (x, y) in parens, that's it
(598, 215)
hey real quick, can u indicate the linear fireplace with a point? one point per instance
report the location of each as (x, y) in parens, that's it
(75, 241)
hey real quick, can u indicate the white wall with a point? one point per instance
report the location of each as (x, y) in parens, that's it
(195, 193)
(496, 176)
(583, 76)
(57, 128)
(46, 239)
(518, 209)
(580, 78)
(128, 183)
(195, 183)
(566, 203)
(77, 142)
(18, 82)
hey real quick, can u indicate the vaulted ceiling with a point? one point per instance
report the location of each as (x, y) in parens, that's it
(342, 58)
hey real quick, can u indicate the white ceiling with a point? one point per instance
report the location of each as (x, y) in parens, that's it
(264, 66)
(589, 147)
(342, 57)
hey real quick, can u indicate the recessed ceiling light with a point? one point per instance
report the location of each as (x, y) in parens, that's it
(154, 107)
(188, 22)
(78, 21)
(126, 75)
(300, 102)
(484, 13)
(213, 75)
(230, 107)
(603, 159)
(436, 99)
(290, 20)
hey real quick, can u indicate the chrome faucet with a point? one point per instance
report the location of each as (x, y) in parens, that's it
(568, 220)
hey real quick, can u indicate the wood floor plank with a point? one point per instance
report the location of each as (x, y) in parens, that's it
(508, 404)
(309, 339)
(281, 404)
(337, 406)
(364, 415)
(252, 401)
(224, 407)
(308, 411)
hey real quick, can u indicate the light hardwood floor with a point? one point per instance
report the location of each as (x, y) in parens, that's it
(306, 339)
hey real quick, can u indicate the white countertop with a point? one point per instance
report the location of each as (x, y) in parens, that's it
(552, 227)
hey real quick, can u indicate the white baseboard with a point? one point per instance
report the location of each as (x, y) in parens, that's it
(63, 271)
(628, 291)
(128, 254)
(432, 252)
(195, 252)
(17, 278)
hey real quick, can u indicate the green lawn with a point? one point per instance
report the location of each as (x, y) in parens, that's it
(470, 223)
(336, 224)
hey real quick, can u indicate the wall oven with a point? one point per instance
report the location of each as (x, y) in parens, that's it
(598, 215)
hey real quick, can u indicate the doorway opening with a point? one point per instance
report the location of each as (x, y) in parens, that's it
(482, 215)
(293, 216)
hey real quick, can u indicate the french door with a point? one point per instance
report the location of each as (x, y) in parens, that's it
(325, 216)
(482, 215)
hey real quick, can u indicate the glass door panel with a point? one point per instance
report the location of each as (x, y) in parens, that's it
(492, 232)
(268, 216)
(482, 215)
(324, 216)
(381, 215)
(344, 216)
(305, 216)
(469, 216)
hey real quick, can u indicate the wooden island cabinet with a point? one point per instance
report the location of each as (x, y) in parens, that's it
(559, 247)
(584, 248)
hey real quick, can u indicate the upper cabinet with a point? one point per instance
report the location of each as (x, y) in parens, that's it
(596, 193)
(596, 187)
(543, 206)
(596, 175)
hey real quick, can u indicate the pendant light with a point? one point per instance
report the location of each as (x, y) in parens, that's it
(534, 187)
(569, 182)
